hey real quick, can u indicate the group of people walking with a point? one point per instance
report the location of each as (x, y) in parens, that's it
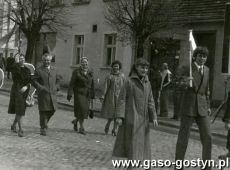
(46, 82)
(128, 102)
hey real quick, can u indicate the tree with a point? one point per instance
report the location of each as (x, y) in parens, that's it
(136, 20)
(31, 16)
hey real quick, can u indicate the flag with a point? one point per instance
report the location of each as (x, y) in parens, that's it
(192, 41)
(192, 47)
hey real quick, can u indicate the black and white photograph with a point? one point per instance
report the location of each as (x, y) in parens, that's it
(114, 84)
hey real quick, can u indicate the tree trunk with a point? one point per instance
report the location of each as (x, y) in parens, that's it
(31, 41)
(139, 48)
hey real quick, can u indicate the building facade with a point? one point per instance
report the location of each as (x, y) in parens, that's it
(92, 37)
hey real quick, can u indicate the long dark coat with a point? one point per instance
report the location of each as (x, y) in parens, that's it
(136, 106)
(113, 85)
(196, 98)
(21, 77)
(47, 84)
(82, 86)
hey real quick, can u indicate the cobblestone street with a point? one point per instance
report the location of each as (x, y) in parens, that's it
(63, 148)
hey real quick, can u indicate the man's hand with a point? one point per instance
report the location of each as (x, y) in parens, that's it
(119, 121)
(69, 97)
(101, 99)
(23, 89)
(209, 111)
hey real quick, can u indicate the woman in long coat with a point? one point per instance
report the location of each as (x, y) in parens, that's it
(137, 109)
(113, 84)
(19, 92)
(82, 86)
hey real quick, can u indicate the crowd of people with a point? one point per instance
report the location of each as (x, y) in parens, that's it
(132, 103)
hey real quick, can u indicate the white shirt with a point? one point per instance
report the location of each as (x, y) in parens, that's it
(200, 67)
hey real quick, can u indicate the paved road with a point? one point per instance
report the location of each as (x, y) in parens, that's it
(64, 149)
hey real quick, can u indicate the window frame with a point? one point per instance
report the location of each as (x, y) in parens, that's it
(113, 47)
(76, 59)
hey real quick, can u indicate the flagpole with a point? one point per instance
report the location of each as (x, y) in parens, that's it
(190, 59)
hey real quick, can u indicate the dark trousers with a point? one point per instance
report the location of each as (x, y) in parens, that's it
(45, 117)
(205, 136)
(164, 102)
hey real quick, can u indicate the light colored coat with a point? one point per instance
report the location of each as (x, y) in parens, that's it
(113, 85)
(136, 106)
(47, 84)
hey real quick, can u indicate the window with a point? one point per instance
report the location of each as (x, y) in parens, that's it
(78, 49)
(79, 2)
(110, 49)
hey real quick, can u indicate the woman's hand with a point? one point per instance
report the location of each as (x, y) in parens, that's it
(155, 123)
(227, 126)
(23, 89)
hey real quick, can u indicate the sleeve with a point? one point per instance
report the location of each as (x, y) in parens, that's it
(151, 107)
(106, 84)
(71, 83)
(36, 82)
(58, 81)
(92, 89)
(207, 94)
(122, 99)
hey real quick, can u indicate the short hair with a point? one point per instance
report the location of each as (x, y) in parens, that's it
(141, 61)
(47, 55)
(165, 65)
(200, 50)
(116, 62)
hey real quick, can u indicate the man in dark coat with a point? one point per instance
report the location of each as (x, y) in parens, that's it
(46, 81)
(195, 106)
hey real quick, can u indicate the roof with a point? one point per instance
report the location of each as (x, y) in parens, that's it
(194, 11)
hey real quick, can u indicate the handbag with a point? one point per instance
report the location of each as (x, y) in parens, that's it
(30, 101)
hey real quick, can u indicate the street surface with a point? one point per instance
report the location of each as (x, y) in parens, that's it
(64, 149)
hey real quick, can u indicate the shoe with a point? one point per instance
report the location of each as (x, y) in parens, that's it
(20, 133)
(75, 128)
(82, 131)
(43, 132)
(114, 133)
(223, 157)
(13, 128)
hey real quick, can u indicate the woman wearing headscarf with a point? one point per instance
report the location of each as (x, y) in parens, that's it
(136, 109)
(19, 91)
(113, 84)
(82, 86)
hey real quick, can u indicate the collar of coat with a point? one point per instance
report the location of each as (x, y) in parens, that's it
(135, 76)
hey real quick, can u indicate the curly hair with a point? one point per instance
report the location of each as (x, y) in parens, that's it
(200, 50)
(116, 62)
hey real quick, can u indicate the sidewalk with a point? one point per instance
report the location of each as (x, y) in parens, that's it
(217, 128)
